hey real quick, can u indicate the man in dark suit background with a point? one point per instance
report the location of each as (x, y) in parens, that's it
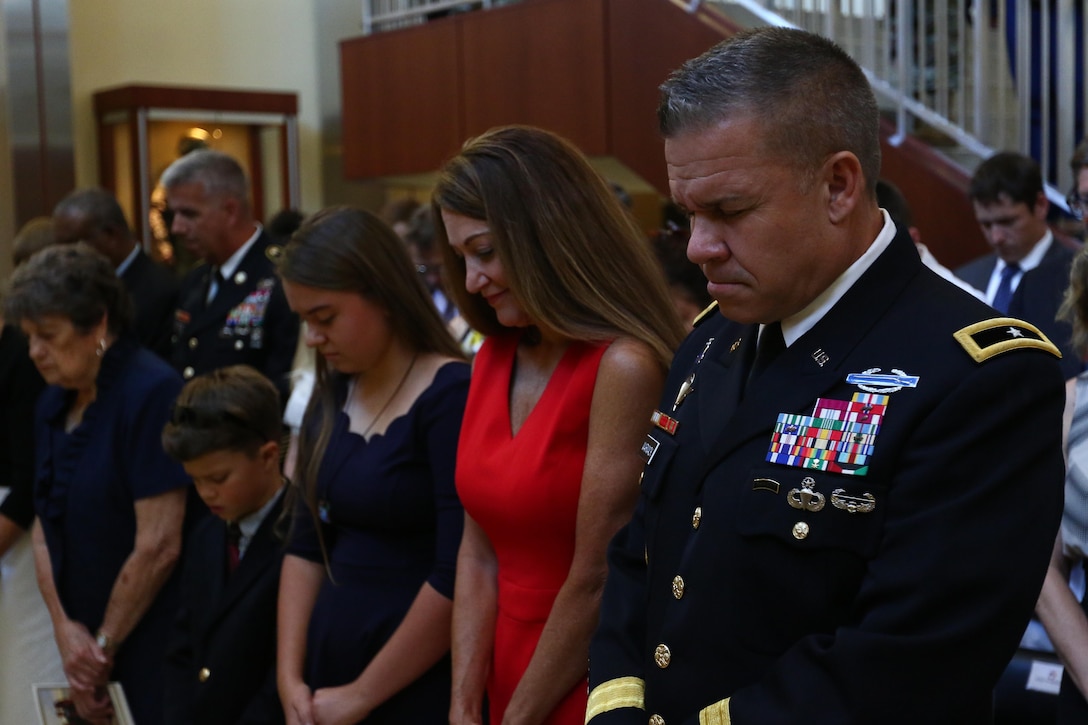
(94, 216)
(849, 520)
(1027, 273)
(231, 309)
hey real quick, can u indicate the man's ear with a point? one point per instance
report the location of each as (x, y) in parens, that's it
(269, 454)
(1042, 206)
(232, 207)
(845, 184)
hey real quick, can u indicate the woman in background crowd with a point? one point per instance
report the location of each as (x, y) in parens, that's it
(1065, 619)
(27, 652)
(109, 502)
(580, 332)
(367, 583)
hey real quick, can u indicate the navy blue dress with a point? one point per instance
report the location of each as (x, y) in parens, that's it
(86, 484)
(391, 522)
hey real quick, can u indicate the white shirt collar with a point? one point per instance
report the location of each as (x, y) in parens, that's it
(798, 324)
(127, 261)
(226, 269)
(249, 524)
(1033, 258)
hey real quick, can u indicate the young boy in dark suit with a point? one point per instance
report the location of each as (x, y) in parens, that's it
(221, 658)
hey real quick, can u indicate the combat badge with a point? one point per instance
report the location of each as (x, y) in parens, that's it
(985, 339)
(874, 381)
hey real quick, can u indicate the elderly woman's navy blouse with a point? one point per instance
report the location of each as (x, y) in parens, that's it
(86, 484)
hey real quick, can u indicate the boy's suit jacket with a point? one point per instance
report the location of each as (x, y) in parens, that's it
(221, 661)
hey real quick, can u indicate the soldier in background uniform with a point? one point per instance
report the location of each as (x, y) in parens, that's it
(849, 520)
(231, 309)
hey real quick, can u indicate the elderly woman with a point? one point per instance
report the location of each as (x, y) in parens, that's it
(109, 502)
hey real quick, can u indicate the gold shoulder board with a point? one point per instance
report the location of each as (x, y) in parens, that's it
(710, 309)
(273, 252)
(985, 339)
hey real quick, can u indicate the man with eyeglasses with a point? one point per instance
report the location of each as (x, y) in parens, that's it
(1026, 274)
(1078, 197)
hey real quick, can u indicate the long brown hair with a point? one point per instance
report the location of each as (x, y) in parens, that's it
(573, 256)
(1075, 304)
(350, 250)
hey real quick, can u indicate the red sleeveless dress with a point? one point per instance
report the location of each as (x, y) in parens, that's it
(523, 491)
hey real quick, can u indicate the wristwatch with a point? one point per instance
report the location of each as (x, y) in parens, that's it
(105, 642)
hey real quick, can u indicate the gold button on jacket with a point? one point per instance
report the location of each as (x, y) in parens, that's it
(662, 656)
(204, 674)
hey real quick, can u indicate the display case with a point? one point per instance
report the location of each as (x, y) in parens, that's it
(142, 129)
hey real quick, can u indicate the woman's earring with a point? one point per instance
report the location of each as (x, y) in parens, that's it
(101, 347)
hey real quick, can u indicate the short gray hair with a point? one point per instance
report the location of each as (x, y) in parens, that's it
(813, 98)
(72, 281)
(220, 175)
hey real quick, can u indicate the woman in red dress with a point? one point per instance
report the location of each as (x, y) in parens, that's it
(580, 332)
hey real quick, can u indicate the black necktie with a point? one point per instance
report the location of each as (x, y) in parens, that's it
(771, 345)
(215, 285)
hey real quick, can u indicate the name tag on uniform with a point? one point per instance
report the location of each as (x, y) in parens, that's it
(649, 448)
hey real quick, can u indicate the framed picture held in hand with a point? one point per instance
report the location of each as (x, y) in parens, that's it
(55, 706)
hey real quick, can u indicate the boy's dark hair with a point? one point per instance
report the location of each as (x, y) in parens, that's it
(233, 408)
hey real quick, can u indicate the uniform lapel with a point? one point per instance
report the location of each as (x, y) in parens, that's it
(265, 545)
(719, 378)
(797, 377)
(213, 576)
(231, 292)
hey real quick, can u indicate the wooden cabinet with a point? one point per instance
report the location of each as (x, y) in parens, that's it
(142, 129)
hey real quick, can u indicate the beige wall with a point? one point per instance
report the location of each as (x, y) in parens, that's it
(246, 44)
(7, 177)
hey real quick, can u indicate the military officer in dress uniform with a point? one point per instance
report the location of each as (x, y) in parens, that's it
(849, 520)
(231, 308)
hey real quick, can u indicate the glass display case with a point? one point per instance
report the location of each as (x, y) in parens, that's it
(142, 129)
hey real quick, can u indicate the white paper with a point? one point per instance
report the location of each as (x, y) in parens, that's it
(1045, 677)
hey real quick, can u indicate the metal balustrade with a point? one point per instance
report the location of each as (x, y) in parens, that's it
(381, 15)
(957, 72)
(979, 75)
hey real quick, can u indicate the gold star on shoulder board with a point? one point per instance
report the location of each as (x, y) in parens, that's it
(987, 338)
